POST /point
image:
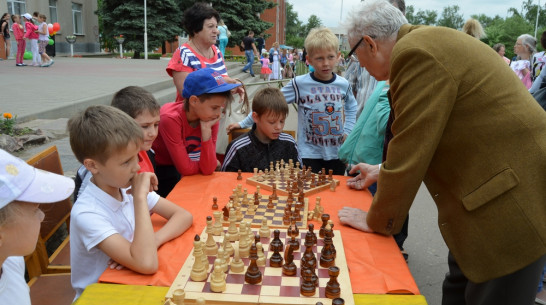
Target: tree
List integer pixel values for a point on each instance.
(312, 22)
(294, 28)
(118, 17)
(427, 17)
(242, 16)
(451, 17)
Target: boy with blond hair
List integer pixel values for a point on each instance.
(110, 222)
(265, 142)
(326, 105)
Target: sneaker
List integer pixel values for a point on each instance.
(253, 75)
(245, 71)
(23, 64)
(19, 65)
(44, 65)
(51, 63)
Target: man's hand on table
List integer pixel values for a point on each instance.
(367, 176)
(355, 218)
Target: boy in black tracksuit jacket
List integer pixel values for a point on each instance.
(265, 142)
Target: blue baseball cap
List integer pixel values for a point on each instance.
(205, 81)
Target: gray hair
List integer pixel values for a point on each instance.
(529, 41)
(376, 18)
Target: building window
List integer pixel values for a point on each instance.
(53, 11)
(77, 19)
(18, 7)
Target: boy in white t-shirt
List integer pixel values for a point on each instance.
(22, 188)
(110, 221)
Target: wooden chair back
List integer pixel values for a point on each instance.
(56, 214)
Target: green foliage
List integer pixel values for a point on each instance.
(118, 17)
(7, 124)
(242, 16)
(507, 31)
(294, 28)
(451, 17)
(312, 22)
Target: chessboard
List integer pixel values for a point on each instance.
(275, 288)
(285, 185)
(273, 215)
(287, 179)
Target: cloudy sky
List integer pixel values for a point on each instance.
(329, 11)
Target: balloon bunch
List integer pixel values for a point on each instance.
(53, 28)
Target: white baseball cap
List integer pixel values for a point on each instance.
(22, 182)
(27, 16)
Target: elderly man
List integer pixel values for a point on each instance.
(468, 128)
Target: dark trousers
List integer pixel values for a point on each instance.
(167, 177)
(518, 288)
(317, 164)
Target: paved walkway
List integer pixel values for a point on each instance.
(31, 92)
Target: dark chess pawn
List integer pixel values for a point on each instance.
(253, 274)
(327, 254)
(308, 287)
(239, 176)
(330, 234)
(308, 258)
(325, 217)
(276, 258)
(294, 243)
(332, 287)
(270, 204)
(276, 242)
(214, 203)
(289, 268)
(311, 232)
(338, 301)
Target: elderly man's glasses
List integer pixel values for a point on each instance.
(353, 50)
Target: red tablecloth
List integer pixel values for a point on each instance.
(376, 265)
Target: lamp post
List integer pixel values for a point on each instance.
(145, 33)
(120, 40)
(536, 24)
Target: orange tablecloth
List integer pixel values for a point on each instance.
(376, 265)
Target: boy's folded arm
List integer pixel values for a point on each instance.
(178, 221)
(137, 256)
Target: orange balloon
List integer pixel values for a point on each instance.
(56, 27)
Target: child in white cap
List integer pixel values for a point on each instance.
(22, 188)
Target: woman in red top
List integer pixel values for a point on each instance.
(186, 143)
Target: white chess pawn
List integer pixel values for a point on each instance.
(217, 227)
(237, 265)
(261, 256)
(218, 278)
(244, 243)
(178, 297)
(264, 230)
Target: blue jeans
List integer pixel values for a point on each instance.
(249, 61)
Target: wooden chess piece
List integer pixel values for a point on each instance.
(276, 259)
(311, 228)
(276, 242)
(200, 301)
(325, 218)
(199, 270)
(270, 204)
(237, 265)
(228, 247)
(232, 229)
(308, 287)
(244, 243)
(211, 246)
(289, 268)
(255, 172)
(308, 258)
(264, 229)
(225, 211)
(294, 243)
(239, 176)
(330, 173)
(222, 257)
(261, 256)
(217, 227)
(253, 274)
(338, 301)
(218, 278)
(327, 256)
(178, 297)
(214, 203)
(332, 287)
(333, 186)
(330, 233)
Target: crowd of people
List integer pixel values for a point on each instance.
(424, 111)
